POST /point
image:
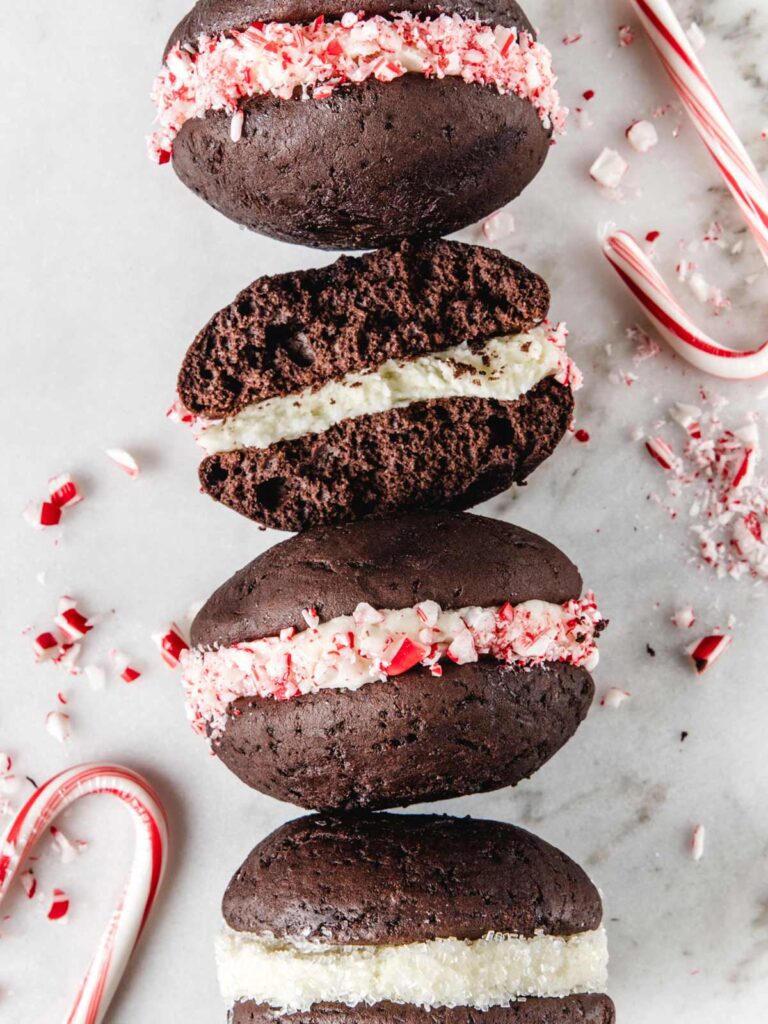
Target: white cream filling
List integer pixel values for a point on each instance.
(495, 970)
(504, 369)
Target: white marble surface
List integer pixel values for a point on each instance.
(109, 267)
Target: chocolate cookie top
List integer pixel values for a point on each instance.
(213, 17)
(457, 559)
(293, 331)
(384, 879)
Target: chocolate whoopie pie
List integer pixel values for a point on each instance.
(348, 124)
(423, 376)
(414, 920)
(378, 664)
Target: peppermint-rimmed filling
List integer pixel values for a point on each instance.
(311, 61)
(372, 645)
(503, 369)
(495, 970)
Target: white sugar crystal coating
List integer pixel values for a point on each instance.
(492, 971)
(503, 369)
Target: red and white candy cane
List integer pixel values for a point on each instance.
(719, 136)
(130, 915)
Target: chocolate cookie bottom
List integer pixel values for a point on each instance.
(444, 453)
(576, 1009)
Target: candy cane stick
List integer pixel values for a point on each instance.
(718, 134)
(133, 908)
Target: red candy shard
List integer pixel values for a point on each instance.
(46, 646)
(582, 436)
(661, 452)
(63, 491)
(405, 655)
(171, 644)
(59, 905)
(706, 652)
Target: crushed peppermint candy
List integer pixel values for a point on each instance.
(499, 225)
(63, 493)
(124, 460)
(705, 652)
(59, 907)
(716, 476)
(642, 136)
(609, 169)
(626, 35)
(57, 724)
(698, 838)
(372, 645)
(614, 697)
(684, 618)
(311, 61)
(171, 644)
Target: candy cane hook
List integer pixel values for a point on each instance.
(130, 915)
(719, 136)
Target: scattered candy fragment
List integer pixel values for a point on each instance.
(614, 697)
(57, 724)
(582, 436)
(499, 225)
(63, 491)
(642, 136)
(236, 125)
(42, 515)
(64, 847)
(609, 169)
(171, 644)
(705, 652)
(96, 676)
(311, 618)
(684, 618)
(126, 671)
(46, 646)
(698, 838)
(589, 95)
(570, 40)
(658, 448)
(28, 883)
(59, 907)
(626, 35)
(125, 461)
(71, 621)
(697, 38)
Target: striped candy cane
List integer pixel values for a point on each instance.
(130, 915)
(719, 136)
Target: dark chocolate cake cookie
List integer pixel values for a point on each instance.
(354, 124)
(423, 376)
(412, 920)
(379, 664)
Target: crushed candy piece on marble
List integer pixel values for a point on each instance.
(642, 136)
(698, 838)
(124, 460)
(63, 491)
(705, 652)
(626, 35)
(58, 725)
(171, 644)
(609, 169)
(614, 697)
(59, 907)
(684, 618)
(46, 646)
(499, 225)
